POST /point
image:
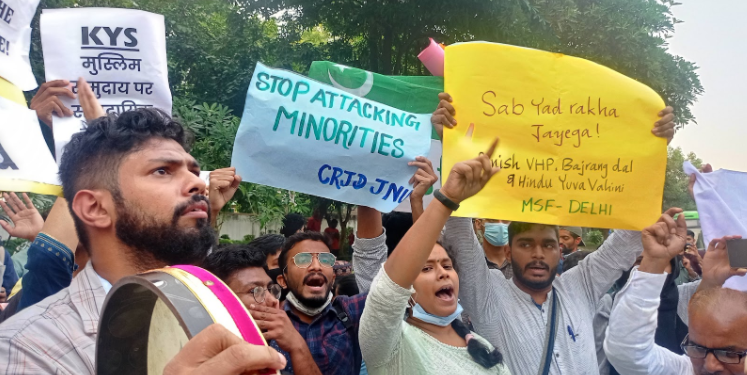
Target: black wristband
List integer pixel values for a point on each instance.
(450, 204)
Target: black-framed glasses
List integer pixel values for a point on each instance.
(700, 352)
(303, 260)
(259, 292)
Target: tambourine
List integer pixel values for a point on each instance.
(149, 317)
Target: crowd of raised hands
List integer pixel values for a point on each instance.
(435, 305)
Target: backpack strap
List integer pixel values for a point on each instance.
(341, 314)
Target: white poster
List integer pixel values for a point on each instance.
(15, 42)
(25, 161)
(302, 135)
(435, 157)
(722, 208)
(120, 52)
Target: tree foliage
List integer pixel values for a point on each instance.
(214, 128)
(385, 36)
(213, 46)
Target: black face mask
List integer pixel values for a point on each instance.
(273, 273)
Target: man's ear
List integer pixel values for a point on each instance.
(89, 206)
(578, 240)
(281, 281)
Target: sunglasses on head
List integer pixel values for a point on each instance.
(303, 260)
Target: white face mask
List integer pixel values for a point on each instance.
(291, 298)
(420, 314)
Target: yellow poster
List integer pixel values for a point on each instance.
(576, 146)
(10, 92)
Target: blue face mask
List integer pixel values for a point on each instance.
(496, 233)
(443, 321)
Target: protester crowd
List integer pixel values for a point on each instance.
(424, 293)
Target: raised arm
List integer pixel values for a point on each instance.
(630, 343)
(599, 270)
(27, 222)
(686, 292)
(421, 181)
(369, 248)
(381, 323)
(479, 286)
(223, 185)
(51, 257)
(465, 180)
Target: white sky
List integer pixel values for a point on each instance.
(713, 36)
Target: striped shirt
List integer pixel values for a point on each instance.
(509, 318)
(58, 334)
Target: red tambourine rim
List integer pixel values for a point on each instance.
(248, 329)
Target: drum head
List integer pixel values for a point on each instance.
(148, 318)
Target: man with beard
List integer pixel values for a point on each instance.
(517, 315)
(329, 327)
(134, 193)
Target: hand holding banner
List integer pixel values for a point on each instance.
(305, 136)
(576, 143)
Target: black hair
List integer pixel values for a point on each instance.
(346, 286)
(292, 223)
(477, 350)
(691, 233)
(92, 157)
(332, 223)
(269, 244)
(396, 225)
(517, 227)
(573, 259)
(233, 258)
(296, 238)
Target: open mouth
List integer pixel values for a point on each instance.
(316, 283)
(538, 269)
(446, 293)
(196, 210)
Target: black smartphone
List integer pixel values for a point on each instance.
(737, 253)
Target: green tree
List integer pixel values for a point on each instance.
(214, 127)
(386, 36)
(676, 183)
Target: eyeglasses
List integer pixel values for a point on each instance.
(700, 352)
(259, 292)
(303, 260)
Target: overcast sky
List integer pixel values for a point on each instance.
(713, 36)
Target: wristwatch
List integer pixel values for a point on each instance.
(450, 204)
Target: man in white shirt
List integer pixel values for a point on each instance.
(717, 343)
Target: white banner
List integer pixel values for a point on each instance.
(722, 208)
(25, 161)
(120, 52)
(435, 157)
(306, 136)
(15, 42)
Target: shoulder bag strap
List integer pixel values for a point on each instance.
(550, 331)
